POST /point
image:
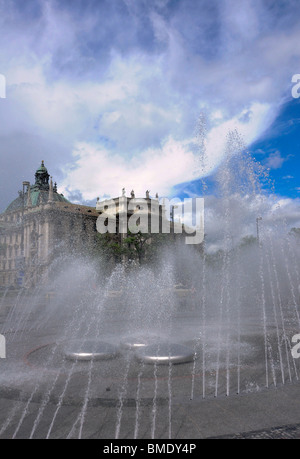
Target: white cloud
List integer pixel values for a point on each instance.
(249, 124)
(98, 171)
(159, 168)
(275, 160)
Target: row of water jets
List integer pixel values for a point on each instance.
(223, 352)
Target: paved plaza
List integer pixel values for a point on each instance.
(45, 395)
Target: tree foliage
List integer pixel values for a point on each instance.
(140, 247)
(295, 232)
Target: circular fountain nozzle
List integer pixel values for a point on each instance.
(90, 350)
(165, 353)
(137, 341)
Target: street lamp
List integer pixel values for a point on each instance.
(257, 228)
(172, 218)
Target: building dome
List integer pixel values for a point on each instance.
(39, 192)
(42, 169)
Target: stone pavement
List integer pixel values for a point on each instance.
(290, 432)
(272, 413)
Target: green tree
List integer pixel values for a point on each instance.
(295, 232)
(142, 247)
(109, 246)
(248, 241)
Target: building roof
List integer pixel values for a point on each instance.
(38, 197)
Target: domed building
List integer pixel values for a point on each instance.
(38, 226)
(41, 224)
(37, 194)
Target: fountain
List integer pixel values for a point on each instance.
(165, 354)
(84, 363)
(90, 350)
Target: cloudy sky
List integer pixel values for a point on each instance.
(109, 93)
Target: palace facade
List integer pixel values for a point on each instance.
(38, 226)
(41, 225)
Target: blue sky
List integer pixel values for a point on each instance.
(279, 150)
(109, 93)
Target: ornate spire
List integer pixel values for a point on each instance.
(42, 177)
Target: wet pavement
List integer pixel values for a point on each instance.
(44, 395)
